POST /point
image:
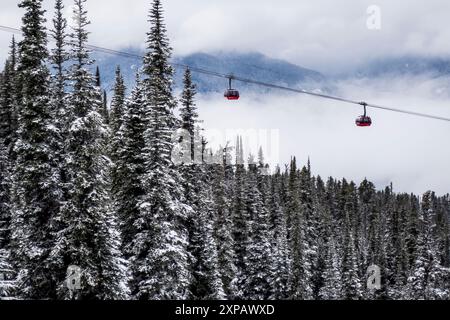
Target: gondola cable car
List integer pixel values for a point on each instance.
(230, 93)
(364, 120)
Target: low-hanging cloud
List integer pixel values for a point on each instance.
(410, 152)
(326, 35)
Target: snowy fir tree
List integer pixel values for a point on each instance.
(105, 111)
(8, 122)
(428, 275)
(280, 245)
(123, 136)
(300, 278)
(206, 282)
(128, 195)
(137, 198)
(241, 220)
(188, 112)
(222, 204)
(36, 186)
(351, 282)
(58, 95)
(117, 113)
(332, 279)
(7, 274)
(88, 236)
(259, 269)
(160, 261)
(8, 100)
(59, 56)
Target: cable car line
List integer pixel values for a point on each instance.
(325, 96)
(255, 82)
(11, 30)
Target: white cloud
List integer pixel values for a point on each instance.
(411, 152)
(324, 34)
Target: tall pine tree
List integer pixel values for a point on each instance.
(8, 102)
(259, 282)
(160, 263)
(128, 197)
(59, 56)
(117, 114)
(36, 187)
(222, 202)
(7, 274)
(88, 237)
(206, 282)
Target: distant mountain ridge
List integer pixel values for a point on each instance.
(258, 67)
(252, 66)
(247, 65)
(405, 65)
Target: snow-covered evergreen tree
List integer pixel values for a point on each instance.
(351, 284)
(428, 276)
(310, 228)
(7, 274)
(88, 237)
(8, 284)
(122, 150)
(160, 261)
(300, 278)
(58, 96)
(59, 56)
(206, 282)
(128, 197)
(5, 214)
(7, 140)
(105, 111)
(117, 112)
(188, 111)
(280, 246)
(8, 103)
(241, 220)
(36, 189)
(222, 204)
(259, 282)
(332, 280)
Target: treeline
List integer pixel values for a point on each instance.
(85, 185)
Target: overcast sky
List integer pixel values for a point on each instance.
(326, 35)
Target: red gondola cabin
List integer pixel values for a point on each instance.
(363, 121)
(232, 94)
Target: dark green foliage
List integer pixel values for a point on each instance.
(36, 188)
(76, 179)
(88, 235)
(160, 261)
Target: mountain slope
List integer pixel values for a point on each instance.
(249, 65)
(406, 65)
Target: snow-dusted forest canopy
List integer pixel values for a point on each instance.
(94, 185)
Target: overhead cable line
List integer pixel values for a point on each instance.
(252, 81)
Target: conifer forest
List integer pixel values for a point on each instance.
(92, 186)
